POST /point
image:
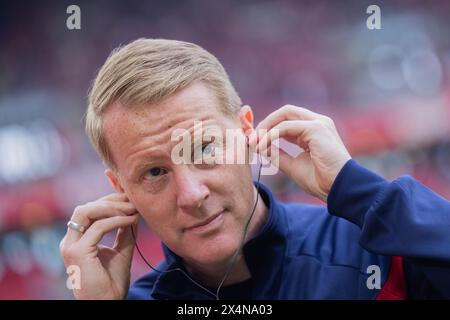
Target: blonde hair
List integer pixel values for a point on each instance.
(146, 71)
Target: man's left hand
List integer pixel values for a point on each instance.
(325, 154)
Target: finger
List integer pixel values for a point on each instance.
(116, 196)
(99, 228)
(287, 112)
(85, 215)
(297, 168)
(299, 165)
(285, 161)
(291, 130)
(90, 212)
(125, 242)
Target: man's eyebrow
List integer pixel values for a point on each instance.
(149, 158)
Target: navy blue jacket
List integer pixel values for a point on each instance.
(399, 230)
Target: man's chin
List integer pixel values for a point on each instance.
(212, 254)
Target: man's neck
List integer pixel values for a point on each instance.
(212, 276)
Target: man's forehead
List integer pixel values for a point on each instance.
(182, 108)
(157, 122)
(195, 99)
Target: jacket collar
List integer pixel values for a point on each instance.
(264, 255)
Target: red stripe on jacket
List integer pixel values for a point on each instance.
(395, 286)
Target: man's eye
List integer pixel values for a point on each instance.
(155, 172)
(207, 149)
(206, 154)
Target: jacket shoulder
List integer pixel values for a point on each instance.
(314, 232)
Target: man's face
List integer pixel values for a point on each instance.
(198, 211)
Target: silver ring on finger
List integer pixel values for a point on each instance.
(76, 226)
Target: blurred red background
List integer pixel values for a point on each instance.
(388, 91)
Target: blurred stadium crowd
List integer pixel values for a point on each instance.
(388, 91)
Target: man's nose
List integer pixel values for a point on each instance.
(191, 191)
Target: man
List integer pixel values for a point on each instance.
(375, 238)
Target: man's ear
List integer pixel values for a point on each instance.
(246, 118)
(114, 180)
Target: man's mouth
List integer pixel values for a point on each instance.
(209, 224)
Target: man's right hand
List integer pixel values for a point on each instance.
(105, 271)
